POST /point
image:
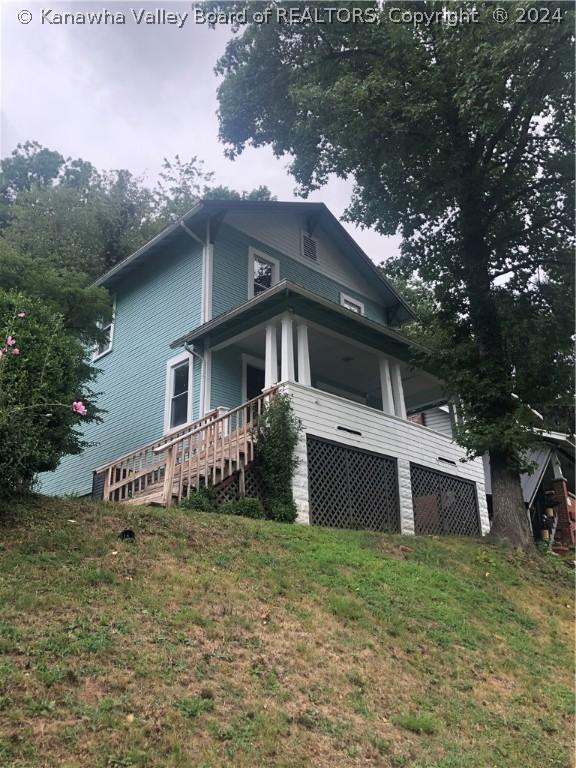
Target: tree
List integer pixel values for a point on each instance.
(81, 307)
(459, 136)
(44, 391)
(67, 213)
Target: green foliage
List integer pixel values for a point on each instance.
(276, 435)
(200, 499)
(195, 706)
(461, 138)
(282, 511)
(245, 507)
(81, 306)
(66, 214)
(417, 723)
(37, 388)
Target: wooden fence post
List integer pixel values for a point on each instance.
(169, 476)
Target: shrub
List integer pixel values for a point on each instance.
(43, 390)
(200, 500)
(276, 437)
(246, 507)
(283, 511)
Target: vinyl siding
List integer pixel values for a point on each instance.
(283, 233)
(439, 420)
(153, 306)
(226, 389)
(230, 274)
(321, 414)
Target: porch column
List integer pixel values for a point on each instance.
(304, 376)
(398, 391)
(287, 354)
(386, 386)
(271, 357)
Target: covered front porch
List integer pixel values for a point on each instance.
(290, 335)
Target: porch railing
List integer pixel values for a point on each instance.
(203, 453)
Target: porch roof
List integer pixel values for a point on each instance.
(286, 296)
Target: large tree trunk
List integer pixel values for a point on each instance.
(510, 518)
(509, 521)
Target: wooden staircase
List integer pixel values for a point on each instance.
(204, 453)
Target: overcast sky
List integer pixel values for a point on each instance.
(125, 96)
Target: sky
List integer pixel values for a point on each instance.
(126, 96)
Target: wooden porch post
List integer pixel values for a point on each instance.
(287, 364)
(304, 376)
(271, 357)
(386, 386)
(398, 391)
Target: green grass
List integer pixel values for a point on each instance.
(217, 642)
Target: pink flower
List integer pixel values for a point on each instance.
(21, 314)
(10, 341)
(15, 351)
(79, 408)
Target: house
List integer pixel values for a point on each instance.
(229, 304)
(549, 490)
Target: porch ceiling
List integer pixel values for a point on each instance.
(337, 362)
(290, 297)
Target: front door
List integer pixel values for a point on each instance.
(254, 381)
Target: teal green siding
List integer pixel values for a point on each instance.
(230, 275)
(226, 389)
(156, 304)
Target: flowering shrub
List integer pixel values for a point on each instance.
(43, 391)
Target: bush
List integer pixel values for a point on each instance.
(283, 511)
(200, 500)
(276, 437)
(43, 391)
(246, 507)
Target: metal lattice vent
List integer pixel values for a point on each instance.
(443, 504)
(350, 488)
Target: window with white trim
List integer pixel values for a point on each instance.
(178, 405)
(352, 304)
(107, 329)
(263, 273)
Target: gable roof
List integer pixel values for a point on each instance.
(193, 222)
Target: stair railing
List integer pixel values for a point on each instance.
(203, 453)
(138, 470)
(212, 452)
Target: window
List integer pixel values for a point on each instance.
(107, 329)
(352, 304)
(309, 246)
(263, 273)
(178, 392)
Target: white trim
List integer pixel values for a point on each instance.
(254, 362)
(303, 354)
(287, 348)
(207, 383)
(172, 363)
(386, 385)
(98, 355)
(253, 254)
(207, 276)
(345, 298)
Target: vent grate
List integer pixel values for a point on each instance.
(309, 249)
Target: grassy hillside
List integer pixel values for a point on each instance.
(216, 641)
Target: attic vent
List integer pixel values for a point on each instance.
(309, 247)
